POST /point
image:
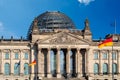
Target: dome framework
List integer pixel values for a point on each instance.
(53, 20)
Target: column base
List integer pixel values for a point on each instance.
(101, 74)
(43, 75)
(49, 75)
(31, 78)
(90, 78)
(58, 75)
(79, 75)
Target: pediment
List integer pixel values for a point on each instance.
(63, 38)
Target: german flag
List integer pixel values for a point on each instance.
(106, 42)
(33, 63)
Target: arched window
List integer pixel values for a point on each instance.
(26, 55)
(26, 69)
(16, 55)
(114, 68)
(96, 68)
(95, 55)
(16, 69)
(6, 55)
(7, 69)
(105, 68)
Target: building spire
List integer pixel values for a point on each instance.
(87, 24)
(86, 31)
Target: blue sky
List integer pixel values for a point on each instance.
(17, 15)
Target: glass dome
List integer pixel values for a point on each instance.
(52, 20)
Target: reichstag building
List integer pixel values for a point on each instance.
(61, 52)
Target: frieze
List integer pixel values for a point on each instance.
(63, 40)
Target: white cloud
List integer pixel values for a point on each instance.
(86, 2)
(1, 26)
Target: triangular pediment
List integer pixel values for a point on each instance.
(63, 38)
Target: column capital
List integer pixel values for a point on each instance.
(77, 49)
(58, 49)
(87, 49)
(68, 49)
(48, 49)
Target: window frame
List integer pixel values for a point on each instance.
(7, 69)
(96, 68)
(26, 54)
(105, 56)
(114, 55)
(7, 56)
(17, 55)
(96, 55)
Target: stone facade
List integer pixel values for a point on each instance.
(80, 55)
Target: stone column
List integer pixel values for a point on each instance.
(68, 61)
(39, 62)
(32, 57)
(87, 61)
(118, 62)
(100, 63)
(11, 52)
(21, 63)
(58, 63)
(109, 62)
(1, 62)
(78, 61)
(48, 65)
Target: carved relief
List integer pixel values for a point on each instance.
(63, 39)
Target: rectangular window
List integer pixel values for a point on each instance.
(95, 55)
(6, 55)
(26, 55)
(114, 56)
(16, 55)
(104, 55)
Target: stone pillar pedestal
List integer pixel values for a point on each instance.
(32, 76)
(58, 75)
(79, 75)
(43, 75)
(49, 75)
(90, 78)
